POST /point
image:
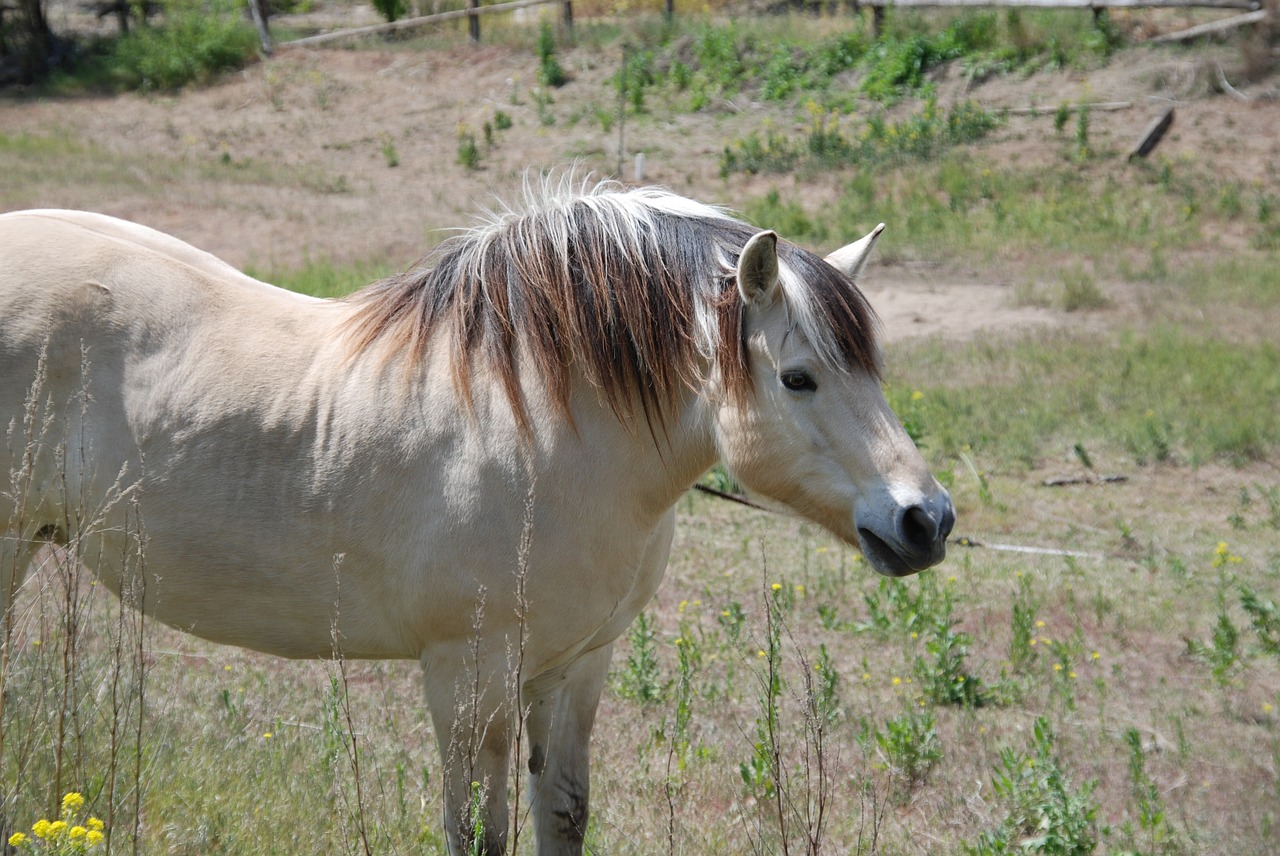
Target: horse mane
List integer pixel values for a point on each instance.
(634, 288)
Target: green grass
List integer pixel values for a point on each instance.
(1165, 394)
(326, 279)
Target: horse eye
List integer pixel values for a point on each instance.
(798, 381)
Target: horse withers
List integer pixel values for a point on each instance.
(474, 463)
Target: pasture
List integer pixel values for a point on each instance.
(1052, 313)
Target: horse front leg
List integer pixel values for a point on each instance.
(561, 712)
(471, 709)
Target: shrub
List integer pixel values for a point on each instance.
(192, 44)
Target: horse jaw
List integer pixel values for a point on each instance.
(851, 260)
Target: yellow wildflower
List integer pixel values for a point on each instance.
(917, 395)
(1057, 667)
(41, 828)
(16, 839)
(777, 587)
(72, 801)
(897, 681)
(57, 828)
(93, 837)
(1039, 624)
(95, 825)
(77, 833)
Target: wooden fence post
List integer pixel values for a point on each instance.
(568, 15)
(258, 10)
(473, 21)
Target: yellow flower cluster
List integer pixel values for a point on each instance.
(64, 836)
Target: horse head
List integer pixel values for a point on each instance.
(815, 433)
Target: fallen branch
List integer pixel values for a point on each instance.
(1090, 478)
(1070, 108)
(1211, 28)
(1228, 88)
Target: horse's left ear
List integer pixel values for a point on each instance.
(851, 260)
(758, 269)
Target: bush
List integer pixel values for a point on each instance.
(192, 44)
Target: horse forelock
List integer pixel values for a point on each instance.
(635, 289)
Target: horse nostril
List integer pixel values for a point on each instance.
(919, 528)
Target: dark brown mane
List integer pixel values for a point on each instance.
(635, 289)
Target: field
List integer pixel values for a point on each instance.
(1096, 666)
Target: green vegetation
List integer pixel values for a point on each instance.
(192, 43)
(698, 66)
(1045, 813)
(827, 144)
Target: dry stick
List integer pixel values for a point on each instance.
(1211, 28)
(1035, 110)
(141, 677)
(349, 741)
(522, 613)
(771, 706)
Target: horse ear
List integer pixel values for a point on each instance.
(851, 260)
(758, 269)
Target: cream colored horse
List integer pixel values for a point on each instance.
(473, 464)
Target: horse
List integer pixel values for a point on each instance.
(474, 463)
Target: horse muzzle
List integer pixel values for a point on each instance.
(902, 539)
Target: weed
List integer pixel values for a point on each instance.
(1153, 825)
(550, 72)
(1022, 642)
(910, 746)
(1080, 291)
(1060, 118)
(1082, 151)
(389, 153)
(1264, 618)
(1045, 814)
(502, 120)
(468, 151)
(641, 680)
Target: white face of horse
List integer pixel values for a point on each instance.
(821, 439)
